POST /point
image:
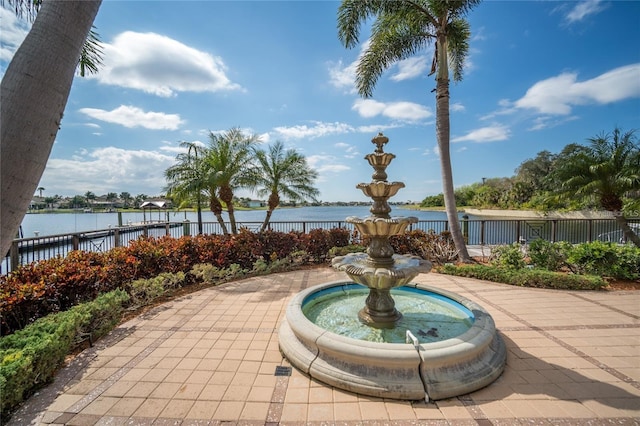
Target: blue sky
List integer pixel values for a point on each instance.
(540, 75)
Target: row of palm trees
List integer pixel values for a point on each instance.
(234, 160)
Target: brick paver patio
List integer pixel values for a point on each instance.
(210, 358)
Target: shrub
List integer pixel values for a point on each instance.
(317, 243)
(628, 265)
(539, 278)
(508, 256)
(605, 259)
(144, 291)
(32, 291)
(30, 357)
(339, 237)
(548, 255)
(438, 248)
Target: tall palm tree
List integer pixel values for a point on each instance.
(283, 172)
(34, 92)
(228, 159)
(401, 29)
(185, 179)
(40, 190)
(608, 168)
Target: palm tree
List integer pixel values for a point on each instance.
(402, 28)
(228, 160)
(126, 197)
(608, 168)
(40, 189)
(185, 179)
(284, 173)
(34, 92)
(139, 199)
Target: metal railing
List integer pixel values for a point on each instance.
(476, 232)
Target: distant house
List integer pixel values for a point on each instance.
(255, 203)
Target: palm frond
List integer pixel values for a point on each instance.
(92, 54)
(458, 32)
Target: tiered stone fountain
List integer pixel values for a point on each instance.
(374, 350)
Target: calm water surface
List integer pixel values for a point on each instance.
(65, 223)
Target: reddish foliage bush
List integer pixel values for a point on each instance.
(39, 288)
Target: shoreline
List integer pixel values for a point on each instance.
(533, 214)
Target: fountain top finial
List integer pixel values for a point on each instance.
(380, 141)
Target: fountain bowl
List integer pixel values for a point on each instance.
(406, 371)
(362, 270)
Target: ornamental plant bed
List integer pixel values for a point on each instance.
(612, 283)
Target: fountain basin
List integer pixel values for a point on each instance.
(439, 369)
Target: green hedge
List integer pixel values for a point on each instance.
(30, 357)
(539, 278)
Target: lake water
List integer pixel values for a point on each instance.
(66, 223)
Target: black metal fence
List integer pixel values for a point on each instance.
(476, 232)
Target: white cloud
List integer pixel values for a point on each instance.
(547, 122)
(323, 164)
(350, 151)
(318, 129)
(583, 9)
(479, 34)
(404, 111)
(162, 66)
(13, 30)
(457, 106)
(343, 77)
(493, 133)
(374, 129)
(368, 108)
(130, 116)
(264, 137)
(557, 95)
(174, 148)
(410, 68)
(109, 169)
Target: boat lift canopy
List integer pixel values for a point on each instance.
(160, 205)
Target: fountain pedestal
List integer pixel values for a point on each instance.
(380, 261)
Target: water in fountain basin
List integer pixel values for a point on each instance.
(429, 316)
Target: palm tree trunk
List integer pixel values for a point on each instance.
(267, 219)
(628, 233)
(216, 209)
(34, 93)
(226, 195)
(443, 136)
(199, 211)
(273, 203)
(232, 217)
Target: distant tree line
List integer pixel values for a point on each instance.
(89, 199)
(603, 174)
(579, 177)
